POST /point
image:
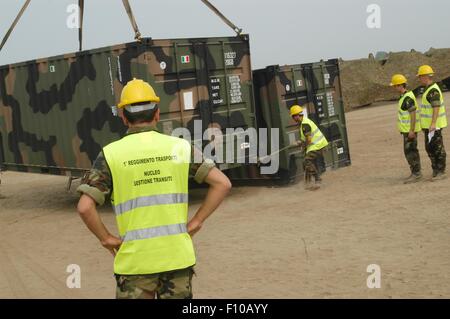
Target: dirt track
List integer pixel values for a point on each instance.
(263, 242)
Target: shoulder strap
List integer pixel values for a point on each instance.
(11, 28)
(137, 34)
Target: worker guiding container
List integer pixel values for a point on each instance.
(317, 88)
(57, 113)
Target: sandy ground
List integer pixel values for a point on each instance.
(263, 242)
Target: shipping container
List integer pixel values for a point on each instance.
(316, 87)
(57, 113)
(446, 84)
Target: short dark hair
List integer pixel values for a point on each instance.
(140, 117)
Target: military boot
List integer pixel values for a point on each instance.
(309, 185)
(413, 178)
(318, 181)
(439, 176)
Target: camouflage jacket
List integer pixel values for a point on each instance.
(433, 97)
(97, 183)
(408, 104)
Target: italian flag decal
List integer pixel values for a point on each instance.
(185, 59)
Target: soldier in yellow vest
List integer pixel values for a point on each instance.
(146, 174)
(408, 124)
(313, 141)
(433, 118)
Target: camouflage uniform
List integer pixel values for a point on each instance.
(310, 166)
(435, 148)
(167, 285)
(436, 151)
(412, 153)
(311, 159)
(320, 164)
(97, 184)
(410, 146)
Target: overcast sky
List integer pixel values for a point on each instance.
(281, 31)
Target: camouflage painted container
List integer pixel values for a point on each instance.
(57, 113)
(315, 86)
(446, 84)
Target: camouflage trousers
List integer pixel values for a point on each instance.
(310, 165)
(436, 151)
(176, 284)
(411, 153)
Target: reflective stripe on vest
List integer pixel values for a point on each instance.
(426, 111)
(150, 194)
(404, 117)
(318, 140)
(317, 137)
(154, 232)
(428, 116)
(147, 201)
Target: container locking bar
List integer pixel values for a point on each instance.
(228, 22)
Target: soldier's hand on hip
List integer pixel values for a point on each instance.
(194, 226)
(112, 243)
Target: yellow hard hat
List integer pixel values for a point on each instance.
(398, 79)
(296, 109)
(425, 70)
(137, 91)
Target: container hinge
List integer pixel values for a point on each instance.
(228, 22)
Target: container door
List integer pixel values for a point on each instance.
(329, 111)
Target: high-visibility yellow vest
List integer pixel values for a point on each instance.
(150, 174)
(404, 117)
(426, 110)
(318, 140)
